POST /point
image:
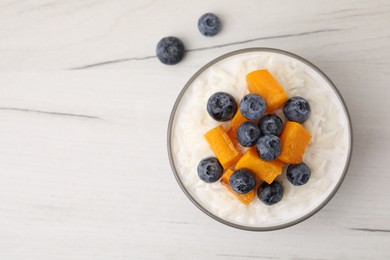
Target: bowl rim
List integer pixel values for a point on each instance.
(239, 226)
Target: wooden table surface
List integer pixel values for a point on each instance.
(84, 108)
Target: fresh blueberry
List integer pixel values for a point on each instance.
(242, 181)
(268, 147)
(170, 50)
(247, 134)
(298, 174)
(270, 194)
(252, 106)
(210, 169)
(297, 109)
(221, 106)
(209, 24)
(271, 124)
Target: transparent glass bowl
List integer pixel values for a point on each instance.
(249, 227)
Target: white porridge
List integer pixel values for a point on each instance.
(326, 154)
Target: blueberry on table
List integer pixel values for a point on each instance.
(297, 109)
(271, 124)
(242, 181)
(252, 106)
(270, 194)
(209, 24)
(221, 106)
(247, 134)
(298, 174)
(170, 50)
(268, 146)
(210, 169)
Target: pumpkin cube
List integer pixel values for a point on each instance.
(267, 171)
(247, 198)
(294, 140)
(262, 83)
(222, 146)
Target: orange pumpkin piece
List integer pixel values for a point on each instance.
(267, 171)
(234, 124)
(244, 198)
(294, 140)
(261, 82)
(222, 146)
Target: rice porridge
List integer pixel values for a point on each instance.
(326, 154)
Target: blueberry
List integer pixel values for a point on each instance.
(242, 181)
(221, 106)
(209, 24)
(247, 134)
(271, 124)
(298, 174)
(252, 106)
(268, 147)
(270, 194)
(170, 50)
(210, 169)
(297, 109)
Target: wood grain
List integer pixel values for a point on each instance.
(84, 108)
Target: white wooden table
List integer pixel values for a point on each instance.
(84, 107)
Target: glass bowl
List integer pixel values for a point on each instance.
(232, 67)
